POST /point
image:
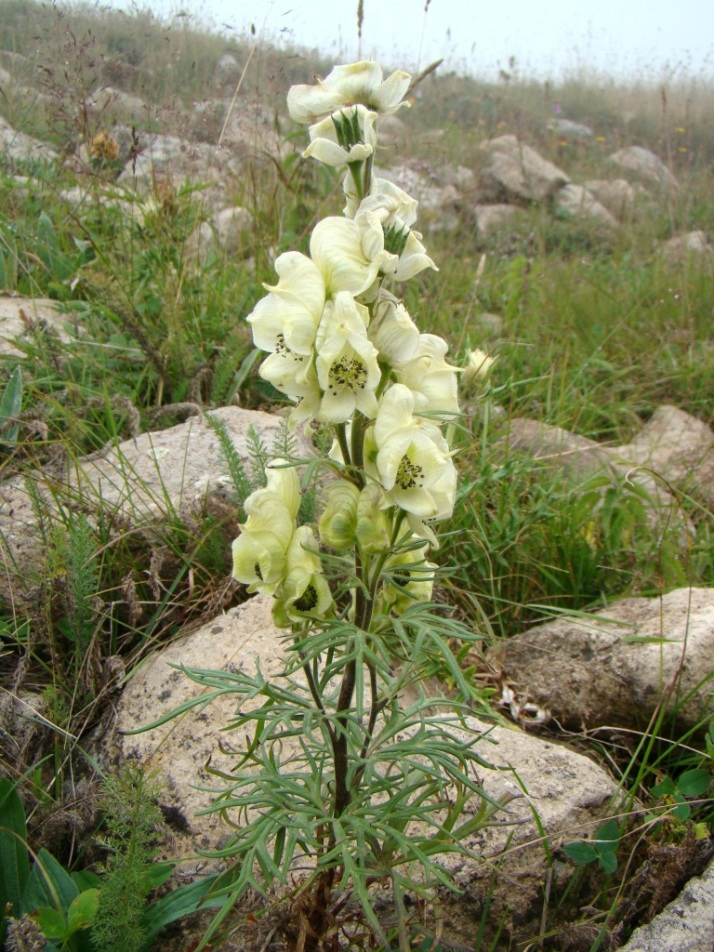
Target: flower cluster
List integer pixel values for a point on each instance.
(343, 348)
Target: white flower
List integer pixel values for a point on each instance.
(304, 591)
(427, 372)
(413, 460)
(336, 248)
(382, 194)
(384, 219)
(343, 138)
(287, 318)
(478, 368)
(357, 83)
(346, 362)
(259, 552)
(392, 331)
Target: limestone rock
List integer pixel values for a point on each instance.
(439, 198)
(643, 164)
(491, 219)
(140, 482)
(686, 925)
(18, 147)
(578, 202)
(114, 104)
(516, 172)
(617, 195)
(228, 233)
(567, 129)
(579, 458)
(680, 448)
(615, 666)
(20, 316)
(177, 159)
(692, 247)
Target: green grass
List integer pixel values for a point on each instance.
(597, 333)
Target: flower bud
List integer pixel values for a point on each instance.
(373, 524)
(338, 523)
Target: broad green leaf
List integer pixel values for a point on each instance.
(607, 859)
(52, 922)
(82, 910)
(693, 783)
(664, 788)
(581, 852)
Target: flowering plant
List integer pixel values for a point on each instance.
(346, 769)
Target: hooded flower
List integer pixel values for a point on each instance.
(336, 248)
(357, 83)
(343, 138)
(346, 362)
(384, 219)
(304, 591)
(427, 372)
(259, 552)
(288, 316)
(478, 368)
(392, 331)
(413, 460)
(338, 522)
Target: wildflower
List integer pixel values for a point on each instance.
(259, 552)
(338, 522)
(408, 578)
(385, 218)
(303, 591)
(392, 331)
(343, 138)
(346, 362)
(412, 459)
(355, 84)
(103, 148)
(285, 323)
(428, 373)
(336, 248)
(478, 368)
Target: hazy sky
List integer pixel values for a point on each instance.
(652, 38)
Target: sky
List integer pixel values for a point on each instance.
(653, 39)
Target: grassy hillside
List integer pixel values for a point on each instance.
(596, 328)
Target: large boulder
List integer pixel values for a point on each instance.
(577, 201)
(18, 147)
(229, 233)
(690, 248)
(644, 165)
(578, 459)
(685, 925)
(617, 195)
(616, 667)
(679, 448)
(139, 483)
(514, 172)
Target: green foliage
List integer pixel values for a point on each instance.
(602, 848)
(689, 784)
(414, 769)
(131, 818)
(83, 912)
(10, 407)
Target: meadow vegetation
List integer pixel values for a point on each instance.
(598, 331)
